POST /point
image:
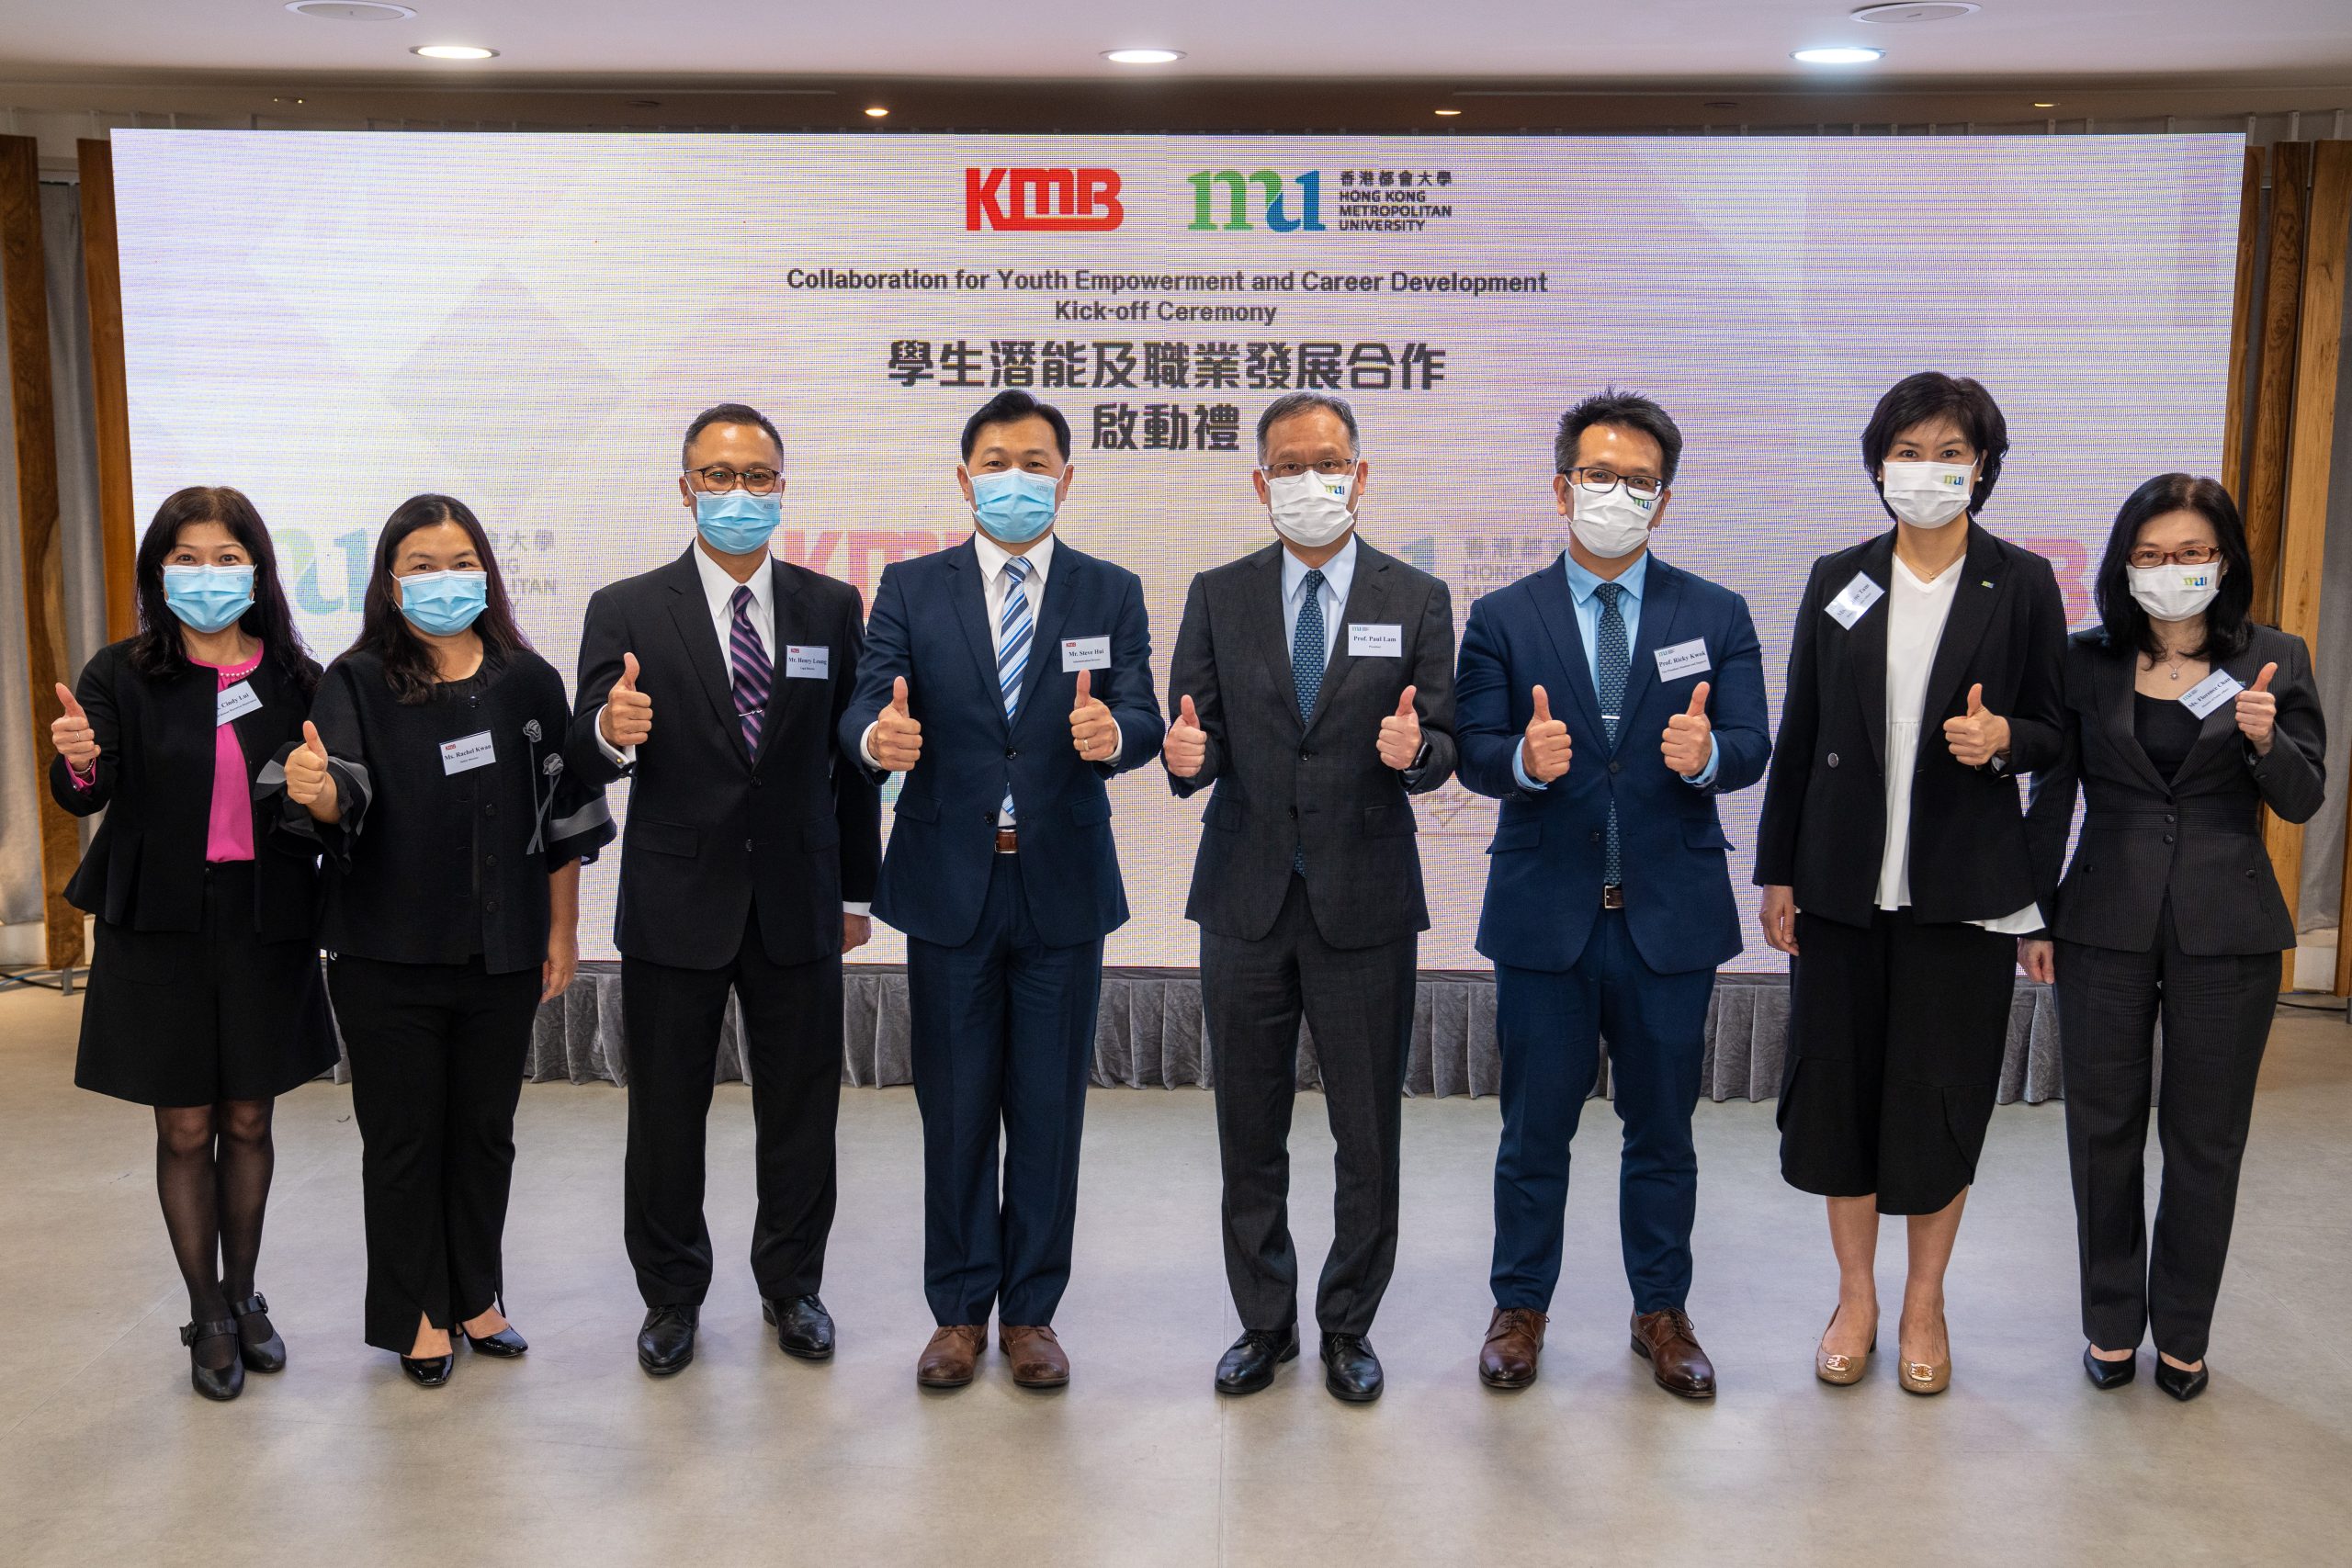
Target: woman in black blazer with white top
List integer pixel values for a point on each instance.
(205, 1000)
(1923, 680)
(2182, 720)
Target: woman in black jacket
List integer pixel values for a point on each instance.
(2182, 719)
(204, 998)
(1923, 679)
(433, 774)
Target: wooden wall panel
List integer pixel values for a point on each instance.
(2240, 322)
(2264, 499)
(23, 304)
(110, 385)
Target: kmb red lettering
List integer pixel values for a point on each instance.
(1048, 199)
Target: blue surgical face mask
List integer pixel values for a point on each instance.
(735, 522)
(208, 598)
(1014, 506)
(443, 603)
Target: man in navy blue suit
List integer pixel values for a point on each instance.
(1606, 700)
(1008, 678)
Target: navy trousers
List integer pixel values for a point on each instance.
(1550, 1024)
(1002, 1038)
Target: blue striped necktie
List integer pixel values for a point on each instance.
(1307, 657)
(755, 673)
(1014, 630)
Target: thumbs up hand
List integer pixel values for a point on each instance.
(1400, 733)
(628, 719)
(307, 783)
(1977, 736)
(897, 743)
(1543, 750)
(72, 734)
(2257, 712)
(1186, 749)
(1690, 736)
(1091, 729)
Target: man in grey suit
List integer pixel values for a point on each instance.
(1313, 689)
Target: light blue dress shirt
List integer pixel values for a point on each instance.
(1585, 600)
(1337, 573)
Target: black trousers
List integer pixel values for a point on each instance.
(436, 1067)
(1359, 1003)
(2216, 1013)
(1896, 1033)
(791, 1055)
(1004, 1036)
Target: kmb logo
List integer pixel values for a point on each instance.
(1064, 199)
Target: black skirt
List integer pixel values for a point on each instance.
(193, 1017)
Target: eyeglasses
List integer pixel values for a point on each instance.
(1330, 468)
(718, 477)
(1600, 482)
(2188, 554)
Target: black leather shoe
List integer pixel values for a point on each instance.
(1350, 1370)
(428, 1371)
(267, 1354)
(2109, 1374)
(666, 1343)
(2183, 1386)
(1250, 1365)
(505, 1344)
(803, 1327)
(214, 1383)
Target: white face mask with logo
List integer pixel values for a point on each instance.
(1311, 510)
(1927, 495)
(2174, 593)
(1614, 523)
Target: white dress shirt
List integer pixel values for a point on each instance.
(1916, 613)
(1338, 573)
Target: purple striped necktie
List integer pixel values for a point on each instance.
(754, 675)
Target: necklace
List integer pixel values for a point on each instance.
(2172, 665)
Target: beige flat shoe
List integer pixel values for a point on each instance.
(1929, 1377)
(1842, 1370)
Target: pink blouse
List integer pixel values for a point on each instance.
(232, 834)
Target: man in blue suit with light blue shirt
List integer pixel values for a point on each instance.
(1606, 700)
(1007, 678)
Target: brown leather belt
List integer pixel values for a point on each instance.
(1612, 897)
(1007, 842)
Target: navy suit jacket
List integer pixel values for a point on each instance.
(1543, 876)
(931, 625)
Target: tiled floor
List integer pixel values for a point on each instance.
(572, 1459)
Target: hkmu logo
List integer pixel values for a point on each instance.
(1062, 200)
(1235, 187)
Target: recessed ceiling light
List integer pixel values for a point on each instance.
(1837, 54)
(1917, 11)
(1142, 56)
(454, 51)
(2048, 106)
(351, 11)
(1446, 111)
(877, 112)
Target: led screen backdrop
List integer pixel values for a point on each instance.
(332, 322)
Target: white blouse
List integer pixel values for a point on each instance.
(1916, 613)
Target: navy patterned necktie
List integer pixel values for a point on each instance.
(1306, 656)
(754, 674)
(1610, 663)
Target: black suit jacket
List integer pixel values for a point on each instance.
(156, 741)
(1824, 827)
(712, 831)
(2198, 833)
(1282, 782)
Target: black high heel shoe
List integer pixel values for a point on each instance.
(2106, 1375)
(505, 1343)
(268, 1354)
(2182, 1385)
(222, 1383)
(428, 1371)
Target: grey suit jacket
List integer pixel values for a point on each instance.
(1281, 782)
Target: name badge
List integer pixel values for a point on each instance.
(1366, 641)
(234, 701)
(1683, 658)
(466, 753)
(808, 663)
(1085, 653)
(2210, 692)
(1855, 602)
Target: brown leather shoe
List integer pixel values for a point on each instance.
(1667, 1342)
(1514, 1346)
(1039, 1359)
(955, 1349)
